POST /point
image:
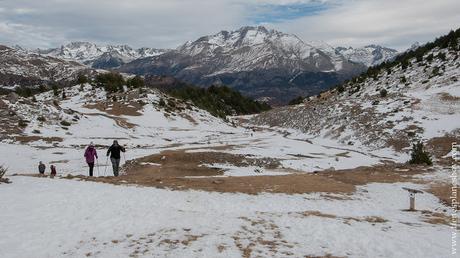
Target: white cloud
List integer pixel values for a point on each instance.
(139, 23)
(395, 23)
(158, 23)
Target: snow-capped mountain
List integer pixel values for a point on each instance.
(96, 56)
(252, 48)
(414, 46)
(257, 61)
(21, 67)
(370, 55)
(261, 63)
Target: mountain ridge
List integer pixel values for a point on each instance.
(99, 56)
(20, 67)
(261, 63)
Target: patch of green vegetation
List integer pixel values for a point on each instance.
(24, 92)
(162, 103)
(403, 79)
(55, 88)
(220, 101)
(296, 101)
(23, 123)
(340, 88)
(65, 123)
(419, 155)
(435, 71)
(111, 82)
(81, 79)
(135, 82)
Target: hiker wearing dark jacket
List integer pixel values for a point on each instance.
(41, 168)
(90, 154)
(114, 152)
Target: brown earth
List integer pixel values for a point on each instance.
(26, 139)
(122, 122)
(441, 146)
(9, 121)
(117, 108)
(445, 96)
(444, 192)
(182, 170)
(436, 217)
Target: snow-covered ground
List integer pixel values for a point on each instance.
(67, 218)
(42, 217)
(153, 132)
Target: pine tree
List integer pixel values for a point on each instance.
(419, 155)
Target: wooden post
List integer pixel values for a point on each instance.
(412, 193)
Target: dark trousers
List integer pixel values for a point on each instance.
(115, 165)
(91, 168)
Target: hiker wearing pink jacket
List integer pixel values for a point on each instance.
(90, 155)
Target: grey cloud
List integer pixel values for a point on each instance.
(157, 23)
(395, 23)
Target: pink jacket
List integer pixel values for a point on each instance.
(90, 153)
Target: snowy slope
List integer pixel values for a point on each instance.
(422, 101)
(141, 121)
(146, 127)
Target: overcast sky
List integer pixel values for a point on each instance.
(169, 23)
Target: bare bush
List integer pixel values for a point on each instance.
(3, 171)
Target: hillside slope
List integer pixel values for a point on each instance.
(22, 68)
(415, 97)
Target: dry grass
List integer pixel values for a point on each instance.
(27, 139)
(122, 122)
(445, 96)
(176, 168)
(444, 192)
(117, 108)
(436, 218)
(346, 220)
(441, 146)
(318, 214)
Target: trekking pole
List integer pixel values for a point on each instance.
(106, 164)
(124, 159)
(97, 165)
